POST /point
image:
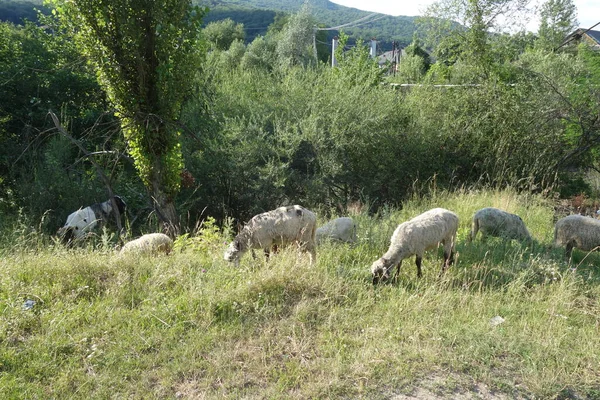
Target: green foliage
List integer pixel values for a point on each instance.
(144, 53)
(355, 66)
(221, 34)
(296, 41)
(558, 19)
(18, 12)
(256, 15)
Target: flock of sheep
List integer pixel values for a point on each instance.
(296, 225)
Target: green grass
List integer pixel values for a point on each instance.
(190, 325)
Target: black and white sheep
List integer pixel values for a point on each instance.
(341, 229)
(84, 220)
(150, 243)
(498, 223)
(577, 231)
(280, 227)
(414, 237)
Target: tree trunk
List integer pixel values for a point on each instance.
(165, 210)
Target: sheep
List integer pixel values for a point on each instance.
(340, 229)
(577, 231)
(495, 222)
(414, 237)
(280, 227)
(83, 221)
(150, 243)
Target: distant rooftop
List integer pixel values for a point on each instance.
(590, 37)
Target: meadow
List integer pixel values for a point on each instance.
(190, 325)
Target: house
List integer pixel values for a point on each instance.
(592, 38)
(390, 58)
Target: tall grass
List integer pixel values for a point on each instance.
(190, 325)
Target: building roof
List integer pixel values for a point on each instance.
(584, 35)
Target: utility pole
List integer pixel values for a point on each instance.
(373, 50)
(334, 45)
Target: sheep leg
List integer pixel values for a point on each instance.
(311, 250)
(569, 249)
(395, 277)
(448, 260)
(474, 230)
(418, 261)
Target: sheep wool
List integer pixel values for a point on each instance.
(151, 243)
(280, 227)
(81, 222)
(577, 231)
(341, 229)
(414, 237)
(495, 222)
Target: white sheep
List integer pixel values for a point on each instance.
(84, 220)
(414, 237)
(577, 231)
(150, 243)
(341, 229)
(280, 227)
(495, 222)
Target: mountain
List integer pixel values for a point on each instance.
(257, 15)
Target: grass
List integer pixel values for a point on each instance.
(192, 326)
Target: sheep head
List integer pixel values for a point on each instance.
(235, 251)
(381, 270)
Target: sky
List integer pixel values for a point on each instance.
(588, 11)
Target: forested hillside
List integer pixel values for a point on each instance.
(327, 14)
(258, 15)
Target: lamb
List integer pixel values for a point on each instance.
(280, 227)
(498, 223)
(577, 231)
(414, 237)
(150, 243)
(340, 229)
(83, 221)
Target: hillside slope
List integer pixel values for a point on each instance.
(257, 15)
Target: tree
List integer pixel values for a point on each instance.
(469, 23)
(296, 43)
(558, 19)
(145, 52)
(221, 34)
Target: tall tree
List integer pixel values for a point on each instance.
(468, 25)
(558, 19)
(296, 44)
(145, 52)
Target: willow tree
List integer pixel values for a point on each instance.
(145, 52)
(461, 30)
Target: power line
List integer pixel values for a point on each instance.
(576, 36)
(356, 23)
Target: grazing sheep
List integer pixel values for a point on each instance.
(340, 229)
(83, 221)
(280, 227)
(414, 237)
(577, 231)
(495, 222)
(151, 243)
